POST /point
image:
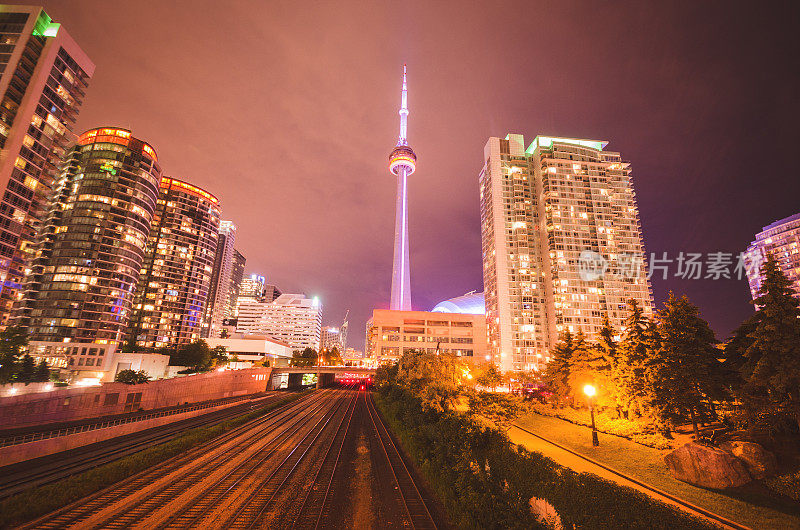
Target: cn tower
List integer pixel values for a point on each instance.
(402, 162)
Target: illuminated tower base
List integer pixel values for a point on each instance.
(401, 275)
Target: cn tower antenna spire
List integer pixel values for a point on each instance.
(402, 163)
(403, 140)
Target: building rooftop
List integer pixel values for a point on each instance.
(472, 303)
(776, 224)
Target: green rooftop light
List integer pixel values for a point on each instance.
(547, 141)
(52, 29)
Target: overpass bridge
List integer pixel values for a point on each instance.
(326, 375)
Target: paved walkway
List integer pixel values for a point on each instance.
(581, 465)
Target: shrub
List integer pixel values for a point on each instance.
(132, 377)
(485, 481)
(788, 485)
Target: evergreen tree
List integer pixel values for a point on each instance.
(12, 341)
(589, 365)
(27, 371)
(42, 373)
(768, 345)
(631, 370)
(558, 369)
(687, 373)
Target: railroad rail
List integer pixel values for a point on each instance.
(202, 504)
(250, 514)
(237, 438)
(414, 505)
(313, 508)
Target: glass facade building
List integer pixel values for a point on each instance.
(176, 275)
(92, 245)
(43, 79)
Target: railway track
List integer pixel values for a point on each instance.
(260, 500)
(57, 467)
(236, 440)
(283, 470)
(315, 506)
(416, 509)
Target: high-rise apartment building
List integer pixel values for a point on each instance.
(782, 240)
(176, 275)
(43, 79)
(561, 244)
(221, 288)
(290, 318)
(237, 274)
(92, 245)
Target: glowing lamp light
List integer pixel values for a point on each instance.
(589, 390)
(48, 387)
(12, 390)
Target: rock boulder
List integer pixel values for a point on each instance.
(708, 467)
(759, 462)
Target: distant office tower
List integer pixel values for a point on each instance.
(561, 244)
(402, 163)
(237, 274)
(331, 337)
(271, 292)
(291, 318)
(219, 293)
(782, 240)
(92, 245)
(43, 78)
(252, 289)
(176, 275)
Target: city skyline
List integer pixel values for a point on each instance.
(342, 254)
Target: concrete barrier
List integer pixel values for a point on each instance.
(26, 451)
(70, 404)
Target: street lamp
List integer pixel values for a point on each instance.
(590, 391)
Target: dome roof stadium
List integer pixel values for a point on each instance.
(471, 303)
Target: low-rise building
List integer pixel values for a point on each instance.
(254, 348)
(88, 363)
(390, 333)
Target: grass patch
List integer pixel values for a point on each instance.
(632, 430)
(38, 501)
(751, 505)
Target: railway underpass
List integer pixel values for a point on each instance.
(292, 378)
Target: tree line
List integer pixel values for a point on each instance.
(671, 369)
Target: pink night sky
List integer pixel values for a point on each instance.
(287, 112)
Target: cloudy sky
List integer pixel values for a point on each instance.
(287, 112)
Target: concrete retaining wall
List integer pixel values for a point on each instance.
(18, 453)
(68, 404)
